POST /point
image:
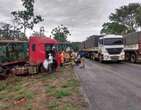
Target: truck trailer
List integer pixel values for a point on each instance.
(25, 56)
(133, 47)
(106, 48)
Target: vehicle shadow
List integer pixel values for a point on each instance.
(113, 62)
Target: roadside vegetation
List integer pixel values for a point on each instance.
(59, 91)
(123, 20)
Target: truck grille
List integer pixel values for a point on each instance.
(114, 57)
(114, 50)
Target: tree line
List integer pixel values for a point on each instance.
(124, 20)
(23, 19)
(26, 19)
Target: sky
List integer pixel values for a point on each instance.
(82, 17)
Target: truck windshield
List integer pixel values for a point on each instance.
(113, 41)
(50, 47)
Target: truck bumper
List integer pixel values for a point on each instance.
(113, 58)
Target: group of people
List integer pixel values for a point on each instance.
(53, 60)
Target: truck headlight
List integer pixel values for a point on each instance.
(122, 56)
(106, 57)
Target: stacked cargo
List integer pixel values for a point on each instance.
(82, 45)
(91, 42)
(90, 45)
(132, 38)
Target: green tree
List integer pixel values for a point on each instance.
(5, 31)
(75, 46)
(113, 28)
(26, 18)
(61, 33)
(138, 16)
(125, 19)
(9, 32)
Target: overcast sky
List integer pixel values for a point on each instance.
(82, 17)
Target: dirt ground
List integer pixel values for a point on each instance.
(58, 91)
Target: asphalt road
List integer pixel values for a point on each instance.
(111, 86)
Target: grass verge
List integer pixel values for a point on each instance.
(58, 91)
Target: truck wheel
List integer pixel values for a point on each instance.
(133, 58)
(127, 57)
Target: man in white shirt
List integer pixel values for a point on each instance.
(48, 63)
(50, 58)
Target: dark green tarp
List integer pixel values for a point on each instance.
(13, 51)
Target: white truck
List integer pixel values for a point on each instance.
(110, 48)
(105, 48)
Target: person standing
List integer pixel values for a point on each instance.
(57, 61)
(82, 63)
(62, 58)
(50, 63)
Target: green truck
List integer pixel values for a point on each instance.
(12, 52)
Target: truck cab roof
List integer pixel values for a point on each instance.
(111, 36)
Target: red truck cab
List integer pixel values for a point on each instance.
(39, 46)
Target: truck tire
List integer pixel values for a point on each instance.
(133, 58)
(127, 57)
